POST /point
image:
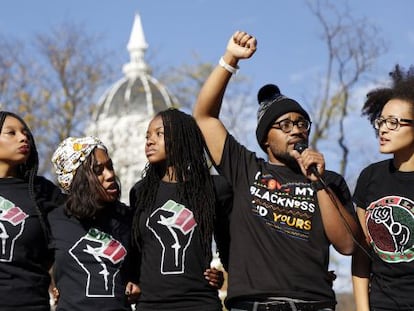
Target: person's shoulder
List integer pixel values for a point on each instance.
(48, 194)
(330, 173)
(135, 189)
(43, 181)
(138, 184)
(333, 177)
(375, 165)
(58, 213)
(122, 206)
(123, 209)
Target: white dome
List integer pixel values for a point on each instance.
(125, 110)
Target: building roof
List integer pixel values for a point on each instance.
(137, 92)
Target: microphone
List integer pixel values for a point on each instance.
(300, 147)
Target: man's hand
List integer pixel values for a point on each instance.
(241, 45)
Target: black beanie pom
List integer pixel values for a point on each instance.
(268, 92)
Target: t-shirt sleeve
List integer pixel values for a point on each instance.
(339, 186)
(224, 204)
(236, 161)
(48, 195)
(359, 196)
(133, 194)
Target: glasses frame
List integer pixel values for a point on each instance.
(277, 126)
(390, 121)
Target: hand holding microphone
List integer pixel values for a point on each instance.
(315, 157)
(302, 146)
(318, 184)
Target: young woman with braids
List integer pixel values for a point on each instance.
(383, 275)
(174, 221)
(25, 200)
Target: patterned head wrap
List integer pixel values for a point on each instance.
(70, 154)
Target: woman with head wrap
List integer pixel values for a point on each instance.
(91, 232)
(25, 200)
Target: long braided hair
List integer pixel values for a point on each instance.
(402, 88)
(28, 170)
(185, 153)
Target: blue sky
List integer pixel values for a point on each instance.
(289, 46)
(289, 49)
(289, 54)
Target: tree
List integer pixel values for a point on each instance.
(186, 81)
(52, 82)
(353, 46)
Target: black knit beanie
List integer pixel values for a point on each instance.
(272, 104)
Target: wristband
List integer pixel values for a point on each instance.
(229, 68)
(317, 185)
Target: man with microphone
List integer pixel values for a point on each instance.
(288, 210)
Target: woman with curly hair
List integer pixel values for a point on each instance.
(383, 274)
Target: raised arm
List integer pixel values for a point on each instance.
(207, 108)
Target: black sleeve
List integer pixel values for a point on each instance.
(133, 195)
(48, 195)
(132, 263)
(339, 186)
(224, 204)
(360, 193)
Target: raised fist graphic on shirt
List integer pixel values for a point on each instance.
(12, 220)
(100, 256)
(173, 225)
(399, 232)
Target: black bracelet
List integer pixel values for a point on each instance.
(317, 185)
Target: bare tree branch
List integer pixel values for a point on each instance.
(353, 46)
(52, 82)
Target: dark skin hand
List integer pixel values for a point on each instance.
(132, 291)
(214, 277)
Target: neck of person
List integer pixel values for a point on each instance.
(7, 171)
(272, 159)
(404, 161)
(170, 175)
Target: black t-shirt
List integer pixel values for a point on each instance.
(387, 195)
(224, 204)
(89, 270)
(24, 255)
(278, 245)
(172, 260)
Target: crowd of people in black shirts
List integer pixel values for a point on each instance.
(273, 220)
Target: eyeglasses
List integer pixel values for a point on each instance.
(391, 123)
(286, 125)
